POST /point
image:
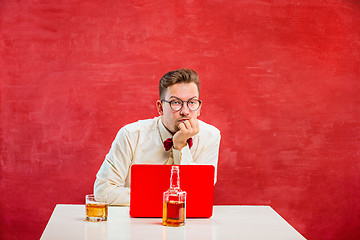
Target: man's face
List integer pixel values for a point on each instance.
(170, 118)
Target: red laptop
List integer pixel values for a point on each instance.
(149, 182)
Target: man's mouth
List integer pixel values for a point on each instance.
(183, 120)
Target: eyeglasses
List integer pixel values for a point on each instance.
(177, 104)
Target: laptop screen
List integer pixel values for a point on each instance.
(149, 182)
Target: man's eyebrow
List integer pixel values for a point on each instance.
(180, 98)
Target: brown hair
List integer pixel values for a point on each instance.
(182, 75)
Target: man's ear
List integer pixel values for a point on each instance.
(159, 107)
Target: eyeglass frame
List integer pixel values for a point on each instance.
(182, 103)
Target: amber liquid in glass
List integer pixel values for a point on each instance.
(173, 213)
(96, 212)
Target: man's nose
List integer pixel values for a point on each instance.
(185, 110)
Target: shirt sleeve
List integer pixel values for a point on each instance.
(208, 152)
(110, 179)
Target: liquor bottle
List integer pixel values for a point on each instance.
(174, 199)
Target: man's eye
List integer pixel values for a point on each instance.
(192, 102)
(175, 103)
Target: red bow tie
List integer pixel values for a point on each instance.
(168, 143)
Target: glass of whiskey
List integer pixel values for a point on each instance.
(96, 208)
(174, 201)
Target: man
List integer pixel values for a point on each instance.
(176, 137)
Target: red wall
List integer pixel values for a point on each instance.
(280, 79)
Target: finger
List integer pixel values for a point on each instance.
(194, 123)
(188, 125)
(181, 126)
(194, 126)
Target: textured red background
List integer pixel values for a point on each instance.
(280, 79)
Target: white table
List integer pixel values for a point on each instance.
(228, 222)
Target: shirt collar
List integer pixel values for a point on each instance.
(164, 133)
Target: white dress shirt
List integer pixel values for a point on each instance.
(141, 142)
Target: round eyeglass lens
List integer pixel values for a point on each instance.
(193, 105)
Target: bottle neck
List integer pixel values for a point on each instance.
(175, 178)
